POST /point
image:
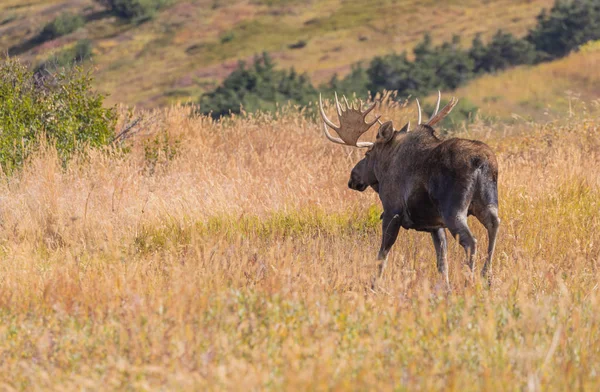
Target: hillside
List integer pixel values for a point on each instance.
(542, 91)
(193, 44)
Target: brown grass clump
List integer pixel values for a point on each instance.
(216, 255)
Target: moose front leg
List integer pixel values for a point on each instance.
(390, 227)
(441, 246)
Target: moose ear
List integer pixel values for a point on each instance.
(386, 132)
(405, 128)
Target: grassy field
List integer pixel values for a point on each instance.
(216, 255)
(193, 44)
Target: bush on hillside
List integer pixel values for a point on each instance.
(64, 24)
(442, 67)
(503, 51)
(61, 108)
(393, 72)
(354, 83)
(67, 58)
(257, 87)
(568, 25)
(134, 10)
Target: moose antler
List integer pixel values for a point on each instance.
(437, 117)
(352, 123)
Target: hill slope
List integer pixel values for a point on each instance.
(193, 44)
(539, 91)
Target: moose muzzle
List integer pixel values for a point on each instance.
(356, 185)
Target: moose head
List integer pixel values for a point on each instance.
(353, 125)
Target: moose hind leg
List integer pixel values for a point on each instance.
(439, 242)
(459, 228)
(492, 223)
(390, 228)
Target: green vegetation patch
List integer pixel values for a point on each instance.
(64, 24)
(565, 27)
(60, 108)
(66, 58)
(134, 10)
(301, 223)
(258, 87)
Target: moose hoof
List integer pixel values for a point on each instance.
(374, 284)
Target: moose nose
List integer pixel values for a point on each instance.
(356, 185)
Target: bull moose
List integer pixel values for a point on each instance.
(424, 183)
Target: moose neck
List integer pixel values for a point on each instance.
(402, 158)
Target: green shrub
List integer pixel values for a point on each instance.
(61, 108)
(67, 58)
(441, 67)
(82, 50)
(394, 72)
(227, 37)
(503, 51)
(298, 44)
(354, 83)
(568, 25)
(258, 87)
(64, 24)
(134, 10)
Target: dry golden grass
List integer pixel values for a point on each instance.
(245, 262)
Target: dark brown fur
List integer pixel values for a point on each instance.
(429, 184)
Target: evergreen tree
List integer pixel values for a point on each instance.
(478, 53)
(258, 87)
(426, 65)
(393, 72)
(354, 83)
(503, 51)
(568, 25)
(452, 66)
(442, 67)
